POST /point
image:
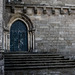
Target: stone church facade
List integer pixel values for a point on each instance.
(50, 24)
(37, 26)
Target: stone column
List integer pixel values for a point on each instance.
(33, 39)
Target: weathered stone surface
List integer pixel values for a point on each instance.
(1, 65)
(53, 32)
(1, 20)
(43, 72)
(51, 2)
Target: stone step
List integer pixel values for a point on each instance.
(23, 52)
(38, 64)
(15, 55)
(35, 53)
(48, 58)
(54, 61)
(18, 61)
(37, 59)
(33, 57)
(39, 67)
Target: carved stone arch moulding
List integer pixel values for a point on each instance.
(24, 18)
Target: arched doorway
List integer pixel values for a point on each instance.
(18, 36)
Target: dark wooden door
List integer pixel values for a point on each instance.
(18, 36)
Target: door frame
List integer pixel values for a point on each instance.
(25, 19)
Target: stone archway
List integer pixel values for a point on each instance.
(30, 30)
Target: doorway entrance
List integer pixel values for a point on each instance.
(18, 36)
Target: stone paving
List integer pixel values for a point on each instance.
(70, 71)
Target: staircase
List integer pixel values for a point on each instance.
(22, 61)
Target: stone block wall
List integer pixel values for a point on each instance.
(53, 32)
(50, 2)
(1, 38)
(1, 21)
